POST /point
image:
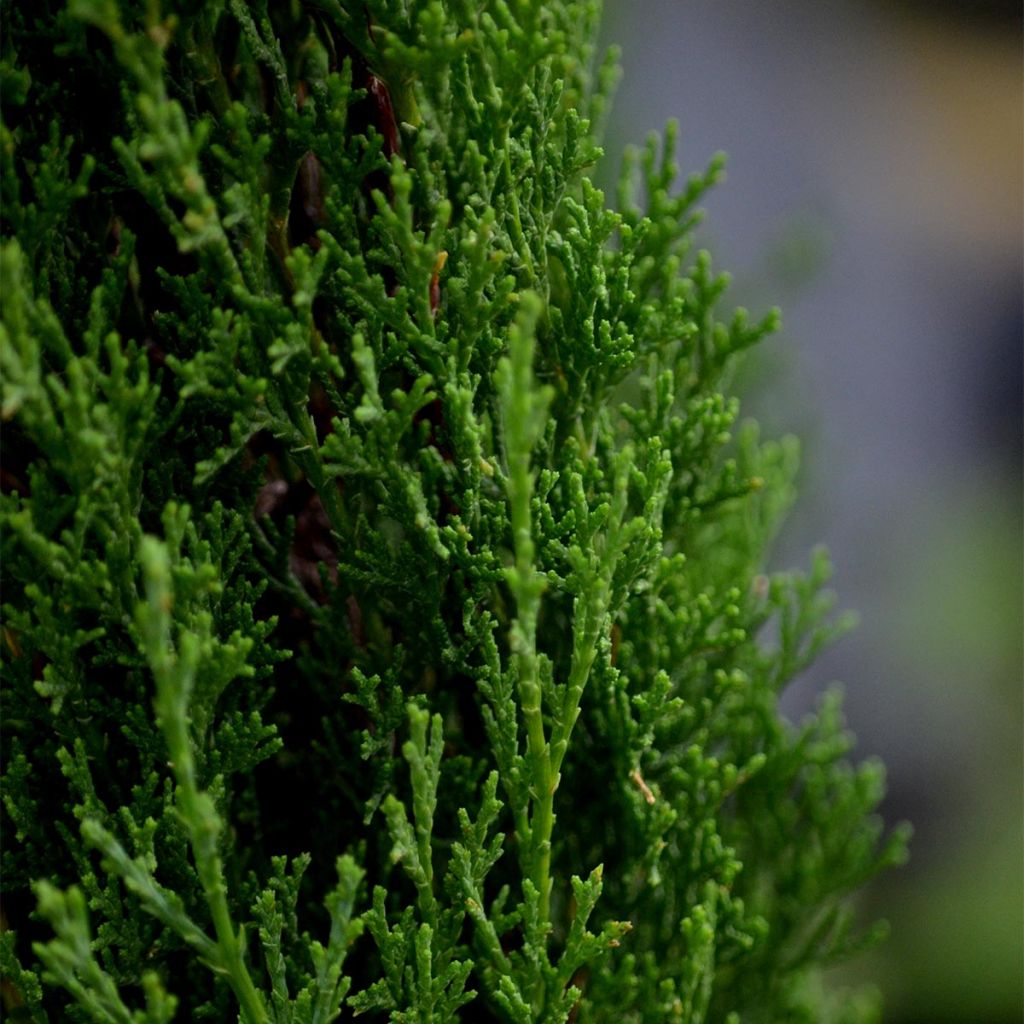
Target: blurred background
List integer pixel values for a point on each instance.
(874, 192)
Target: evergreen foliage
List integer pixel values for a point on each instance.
(386, 627)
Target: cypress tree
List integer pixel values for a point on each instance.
(387, 631)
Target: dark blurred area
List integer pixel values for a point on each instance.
(875, 193)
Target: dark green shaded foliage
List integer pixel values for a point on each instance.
(386, 630)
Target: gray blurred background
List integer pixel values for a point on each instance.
(875, 192)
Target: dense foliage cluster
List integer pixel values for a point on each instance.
(386, 630)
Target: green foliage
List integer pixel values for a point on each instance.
(377, 524)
